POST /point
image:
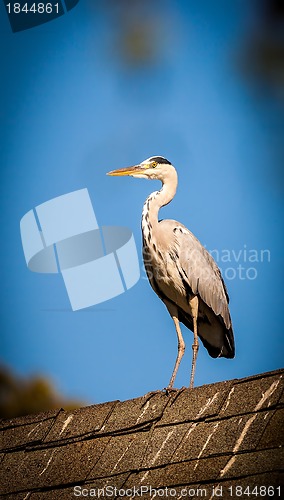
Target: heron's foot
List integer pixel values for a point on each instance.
(169, 390)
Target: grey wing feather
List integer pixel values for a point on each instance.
(202, 273)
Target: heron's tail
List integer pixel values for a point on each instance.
(219, 345)
(230, 342)
(216, 338)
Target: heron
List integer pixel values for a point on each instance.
(181, 271)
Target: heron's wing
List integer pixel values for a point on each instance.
(199, 270)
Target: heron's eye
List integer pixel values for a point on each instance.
(154, 164)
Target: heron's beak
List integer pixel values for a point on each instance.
(136, 169)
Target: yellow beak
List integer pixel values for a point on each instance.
(136, 169)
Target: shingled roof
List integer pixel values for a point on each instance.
(191, 443)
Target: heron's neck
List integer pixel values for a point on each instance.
(154, 202)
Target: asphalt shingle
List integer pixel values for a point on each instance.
(23, 435)
(223, 435)
(137, 412)
(203, 402)
(252, 395)
(48, 467)
(86, 421)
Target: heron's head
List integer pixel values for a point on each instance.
(155, 167)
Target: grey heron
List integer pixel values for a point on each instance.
(181, 271)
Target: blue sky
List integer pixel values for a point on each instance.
(73, 108)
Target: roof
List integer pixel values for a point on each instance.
(224, 435)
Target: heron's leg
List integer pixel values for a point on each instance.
(194, 311)
(181, 349)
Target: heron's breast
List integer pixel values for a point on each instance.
(163, 269)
